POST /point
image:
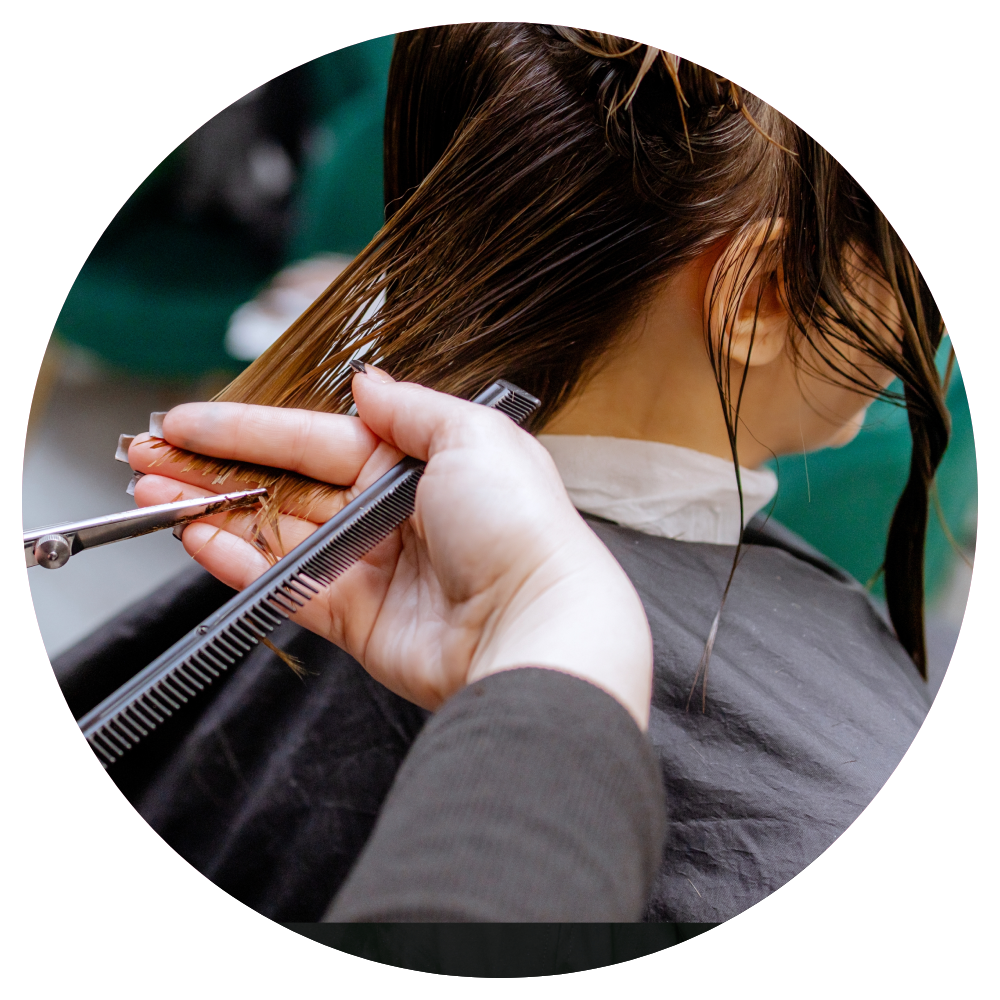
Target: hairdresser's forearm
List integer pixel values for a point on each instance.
(530, 796)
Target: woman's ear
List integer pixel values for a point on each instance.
(760, 329)
(745, 298)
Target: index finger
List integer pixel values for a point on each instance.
(330, 447)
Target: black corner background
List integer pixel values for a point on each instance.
(104, 103)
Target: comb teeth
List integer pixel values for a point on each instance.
(222, 647)
(202, 656)
(515, 403)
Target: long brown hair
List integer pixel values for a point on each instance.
(540, 183)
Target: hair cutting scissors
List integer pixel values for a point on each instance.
(52, 546)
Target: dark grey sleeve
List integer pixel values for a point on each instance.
(530, 796)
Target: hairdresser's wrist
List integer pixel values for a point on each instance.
(582, 617)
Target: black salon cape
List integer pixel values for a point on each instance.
(271, 785)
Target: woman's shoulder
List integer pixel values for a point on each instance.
(776, 568)
(765, 531)
(789, 611)
(807, 706)
(760, 531)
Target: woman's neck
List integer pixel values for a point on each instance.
(658, 384)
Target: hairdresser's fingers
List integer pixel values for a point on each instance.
(344, 614)
(353, 600)
(242, 522)
(238, 563)
(154, 489)
(227, 557)
(418, 420)
(479, 454)
(151, 456)
(241, 525)
(215, 550)
(317, 504)
(329, 447)
(280, 538)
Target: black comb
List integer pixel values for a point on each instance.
(195, 661)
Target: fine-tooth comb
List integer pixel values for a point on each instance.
(191, 665)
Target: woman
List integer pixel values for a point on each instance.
(636, 241)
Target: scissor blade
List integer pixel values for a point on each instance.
(132, 523)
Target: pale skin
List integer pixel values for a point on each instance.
(663, 370)
(496, 570)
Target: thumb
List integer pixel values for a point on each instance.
(408, 416)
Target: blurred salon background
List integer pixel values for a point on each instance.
(222, 247)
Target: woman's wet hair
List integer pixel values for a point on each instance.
(541, 183)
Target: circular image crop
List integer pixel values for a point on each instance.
(738, 373)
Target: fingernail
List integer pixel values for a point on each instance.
(358, 366)
(124, 443)
(178, 532)
(130, 489)
(156, 423)
(376, 373)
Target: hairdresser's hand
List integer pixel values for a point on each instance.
(495, 570)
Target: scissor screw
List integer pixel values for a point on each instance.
(52, 551)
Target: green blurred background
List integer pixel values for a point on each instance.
(842, 499)
(157, 292)
(205, 233)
